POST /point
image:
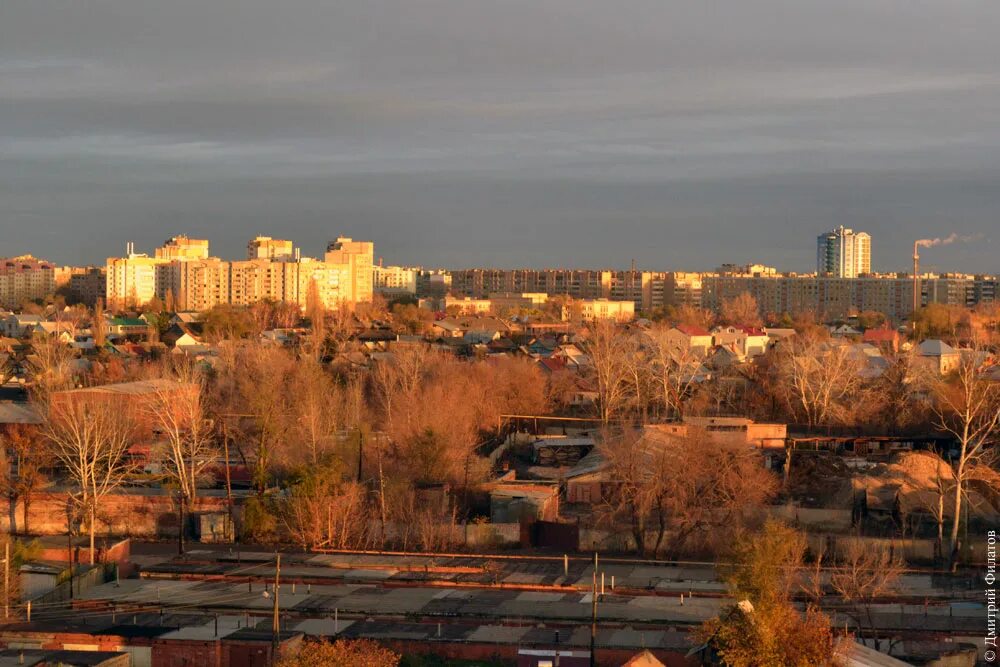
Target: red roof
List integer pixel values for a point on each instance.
(692, 330)
(553, 364)
(753, 331)
(880, 335)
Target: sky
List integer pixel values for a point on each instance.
(681, 134)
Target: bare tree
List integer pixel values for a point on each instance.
(675, 371)
(609, 350)
(50, 366)
(817, 379)
(317, 412)
(670, 488)
(967, 407)
(867, 573)
(26, 458)
(741, 310)
(90, 437)
(178, 412)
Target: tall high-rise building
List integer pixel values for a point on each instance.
(25, 278)
(135, 279)
(358, 258)
(182, 247)
(844, 253)
(264, 247)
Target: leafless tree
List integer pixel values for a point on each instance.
(671, 488)
(50, 366)
(675, 371)
(817, 379)
(609, 350)
(741, 310)
(90, 437)
(866, 573)
(178, 412)
(26, 458)
(967, 406)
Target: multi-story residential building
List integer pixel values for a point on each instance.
(183, 248)
(86, 284)
(392, 281)
(199, 285)
(264, 247)
(826, 296)
(256, 280)
(844, 253)
(357, 258)
(25, 278)
(497, 304)
(136, 279)
(433, 283)
(590, 310)
(645, 289)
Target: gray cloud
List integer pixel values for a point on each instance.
(568, 132)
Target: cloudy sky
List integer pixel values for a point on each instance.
(682, 134)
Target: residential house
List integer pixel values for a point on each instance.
(514, 502)
(938, 356)
(20, 325)
(689, 338)
(748, 342)
(885, 338)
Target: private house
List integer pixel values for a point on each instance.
(938, 356)
(884, 338)
(688, 338)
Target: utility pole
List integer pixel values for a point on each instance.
(361, 444)
(180, 523)
(275, 621)
(593, 617)
(6, 579)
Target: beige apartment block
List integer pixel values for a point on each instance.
(358, 258)
(264, 247)
(182, 247)
(25, 278)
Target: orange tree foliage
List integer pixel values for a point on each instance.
(764, 628)
(341, 653)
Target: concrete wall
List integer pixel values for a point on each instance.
(119, 514)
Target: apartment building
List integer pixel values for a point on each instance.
(394, 281)
(25, 278)
(182, 247)
(86, 284)
(592, 310)
(136, 279)
(356, 259)
(433, 283)
(264, 247)
(200, 284)
(843, 253)
(645, 289)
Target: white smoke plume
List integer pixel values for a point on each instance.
(948, 240)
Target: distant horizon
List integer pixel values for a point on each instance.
(926, 266)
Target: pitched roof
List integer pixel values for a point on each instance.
(692, 330)
(935, 348)
(880, 335)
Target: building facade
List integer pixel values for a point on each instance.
(182, 247)
(844, 253)
(25, 278)
(356, 259)
(264, 247)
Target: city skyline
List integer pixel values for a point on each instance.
(468, 134)
(237, 250)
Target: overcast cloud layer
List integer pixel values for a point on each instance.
(683, 134)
